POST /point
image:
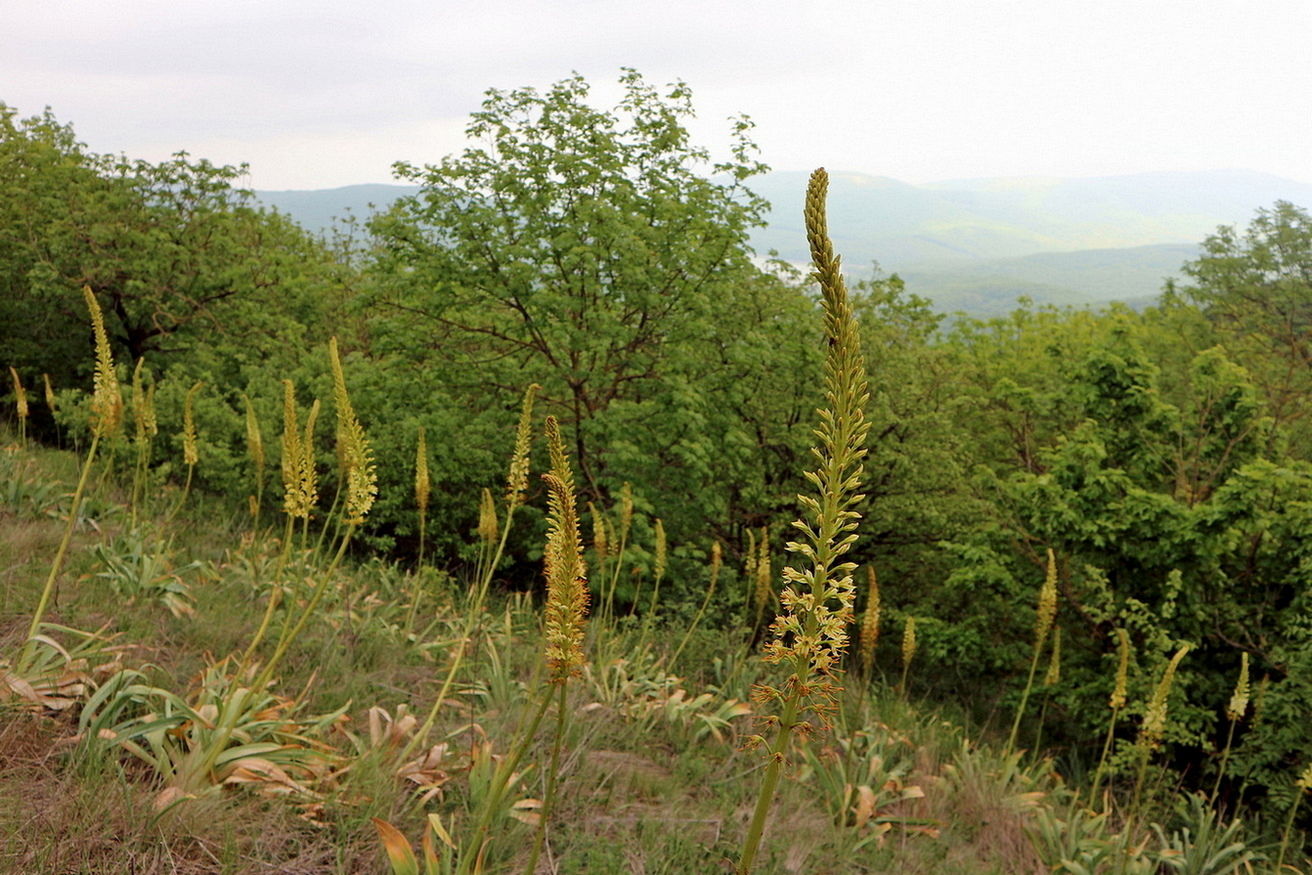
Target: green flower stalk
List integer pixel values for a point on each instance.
(870, 622)
(658, 565)
(106, 417)
(361, 491)
(20, 403)
(763, 576)
(361, 476)
(1154, 721)
(516, 489)
(717, 563)
(190, 448)
(566, 609)
(50, 394)
(255, 447)
(1116, 702)
(145, 428)
(567, 581)
(908, 652)
(1046, 613)
(810, 633)
(618, 543)
(1234, 711)
(423, 488)
(1301, 787)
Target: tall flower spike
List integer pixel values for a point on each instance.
(764, 571)
(1154, 719)
(144, 422)
(190, 451)
(1239, 700)
(659, 565)
(299, 479)
(357, 459)
(626, 510)
(422, 485)
(908, 643)
(567, 584)
(1054, 664)
(107, 400)
(487, 518)
(600, 539)
(254, 439)
(1117, 700)
(811, 632)
(870, 620)
(20, 394)
(1047, 602)
(50, 394)
(517, 481)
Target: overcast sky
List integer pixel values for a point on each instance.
(321, 93)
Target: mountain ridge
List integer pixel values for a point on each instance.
(971, 242)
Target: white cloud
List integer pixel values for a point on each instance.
(916, 90)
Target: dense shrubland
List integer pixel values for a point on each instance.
(257, 628)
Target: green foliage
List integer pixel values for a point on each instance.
(585, 250)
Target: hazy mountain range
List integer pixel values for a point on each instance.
(974, 245)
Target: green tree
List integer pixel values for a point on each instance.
(176, 254)
(1255, 287)
(575, 247)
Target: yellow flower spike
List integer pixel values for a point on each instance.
(50, 394)
(106, 400)
(517, 481)
(1117, 700)
(1054, 664)
(659, 564)
(422, 485)
(1239, 700)
(254, 439)
(190, 451)
(1154, 719)
(487, 518)
(1047, 602)
(870, 620)
(361, 476)
(567, 583)
(20, 394)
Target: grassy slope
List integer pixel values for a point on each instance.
(654, 779)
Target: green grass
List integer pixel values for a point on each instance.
(645, 785)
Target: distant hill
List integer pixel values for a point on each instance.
(317, 209)
(974, 245)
